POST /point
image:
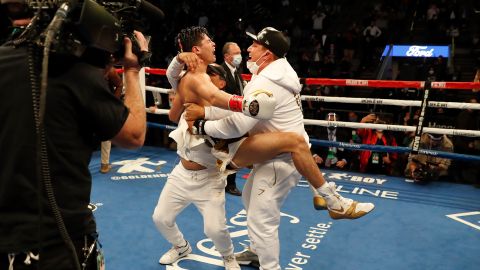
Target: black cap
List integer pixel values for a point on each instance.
(218, 70)
(273, 40)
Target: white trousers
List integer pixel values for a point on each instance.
(263, 195)
(206, 190)
(105, 152)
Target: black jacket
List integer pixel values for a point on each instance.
(80, 112)
(232, 87)
(342, 135)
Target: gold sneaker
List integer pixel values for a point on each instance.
(350, 209)
(319, 203)
(344, 208)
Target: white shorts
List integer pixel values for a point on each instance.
(225, 157)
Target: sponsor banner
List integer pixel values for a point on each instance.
(418, 51)
(141, 168)
(376, 184)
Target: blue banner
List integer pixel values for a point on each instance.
(418, 51)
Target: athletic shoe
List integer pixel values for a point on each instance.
(319, 203)
(105, 168)
(344, 208)
(231, 263)
(247, 257)
(175, 253)
(232, 189)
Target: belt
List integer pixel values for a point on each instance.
(191, 165)
(222, 144)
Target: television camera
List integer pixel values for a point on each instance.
(72, 26)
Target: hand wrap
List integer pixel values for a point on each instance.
(199, 127)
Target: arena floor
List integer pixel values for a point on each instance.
(436, 226)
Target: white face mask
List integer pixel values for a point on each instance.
(253, 67)
(237, 60)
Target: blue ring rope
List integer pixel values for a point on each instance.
(394, 149)
(369, 147)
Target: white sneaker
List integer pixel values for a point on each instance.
(344, 208)
(175, 253)
(231, 263)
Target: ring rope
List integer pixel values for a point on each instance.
(157, 89)
(379, 84)
(355, 125)
(394, 149)
(157, 111)
(368, 147)
(363, 83)
(393, 102)
(392, 84)
(454, 132)
(169, 127)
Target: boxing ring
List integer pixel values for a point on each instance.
(419, 129)
(436, 226)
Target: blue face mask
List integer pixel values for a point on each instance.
(237, 60)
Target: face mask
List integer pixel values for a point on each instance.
(326, 91)
(332, 117)
(253, 67)
(237, 60)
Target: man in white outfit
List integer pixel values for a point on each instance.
(271, 181)
(195, 179)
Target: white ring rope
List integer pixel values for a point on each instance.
(394, 102)
(157, 89)
(354, 125)
(454, 132)
(158, 111)
(377, 101)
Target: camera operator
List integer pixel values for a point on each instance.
(423, 168)
(80, 112)
(19, 16)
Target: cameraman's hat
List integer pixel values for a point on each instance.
(273, 40)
